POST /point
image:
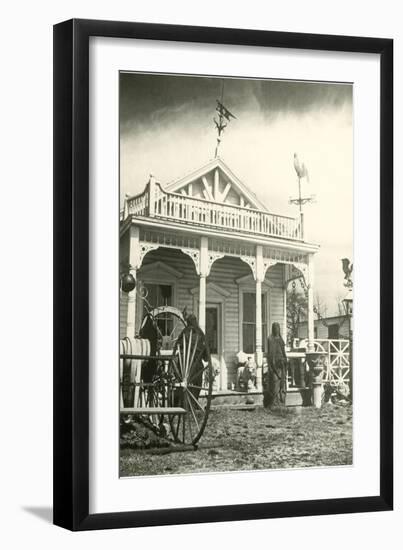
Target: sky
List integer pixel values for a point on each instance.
(167, 129)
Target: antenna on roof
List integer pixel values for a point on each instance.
(224, 117)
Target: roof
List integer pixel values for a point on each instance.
(331, 318)
(236, 183)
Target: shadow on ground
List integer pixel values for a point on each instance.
(45, 513)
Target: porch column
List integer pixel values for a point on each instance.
(258, 347)
(151, 196)
(285, 312)
(202, 283)
(134, 254)
(311, 332)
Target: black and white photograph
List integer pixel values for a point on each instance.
(200, 275)
(236, 274)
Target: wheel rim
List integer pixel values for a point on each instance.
(191, 385)
(169, 324)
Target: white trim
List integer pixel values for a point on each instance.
(175, 185)
(283, 244)
(219, 298)
(215, 288)
(226, 191)
(207, 190)
(160, 268)
(246, 288)
(248, 280)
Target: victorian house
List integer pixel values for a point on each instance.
(206, 243)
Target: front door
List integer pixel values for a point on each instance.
(213, 329)
(213, 336)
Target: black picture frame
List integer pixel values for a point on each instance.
(72, 284)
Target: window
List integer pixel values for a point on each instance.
(333, 332)
(249, 322)
(160, 295)
(212, 329)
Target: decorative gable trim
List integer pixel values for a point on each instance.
(248, 280)
(249, 198)
(162, 269)
(215, 288)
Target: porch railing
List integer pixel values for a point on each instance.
(155, 202)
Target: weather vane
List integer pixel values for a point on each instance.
(302, 172)
(224, 117)
(348, 272)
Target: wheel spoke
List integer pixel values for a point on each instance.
(188, 364)
(183, 428)
(192, 411)
(197, 373)
(196, 361)
(180, 365)
(197, 387)
(186, 399)
(159, 331)
(174, 328)
(184, 355)
(195, 400)
(175, 366)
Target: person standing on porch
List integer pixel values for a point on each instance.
(275, 388)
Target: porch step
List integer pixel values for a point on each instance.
(238, 407)
(233, 398)
(295, 397)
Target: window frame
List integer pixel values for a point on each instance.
(248, 285)
(152, 274)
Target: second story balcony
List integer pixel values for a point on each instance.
(155, 202)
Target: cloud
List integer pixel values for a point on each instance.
(167, 129)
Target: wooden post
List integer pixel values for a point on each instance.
(202, 284)
(202, 303)
(285, 285)
(134, 254)
(151, 196)
(311, 331)
(216, 184)
(350, 354)
(259, 347)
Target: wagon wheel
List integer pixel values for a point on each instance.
(169, 323)
(154, 395)
(190, 386)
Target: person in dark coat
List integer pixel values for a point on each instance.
(276, 386)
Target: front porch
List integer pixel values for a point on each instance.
(236, 289)
(206, 243)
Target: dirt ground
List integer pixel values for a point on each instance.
(234, 440)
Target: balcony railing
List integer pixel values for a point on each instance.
(155, 202)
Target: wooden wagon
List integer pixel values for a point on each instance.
(167, 376)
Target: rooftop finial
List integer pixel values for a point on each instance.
(224, 117)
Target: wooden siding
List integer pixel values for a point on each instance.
(275, 275)
(180, 262)
(322, 331)
(224, 274)
(122, 315)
